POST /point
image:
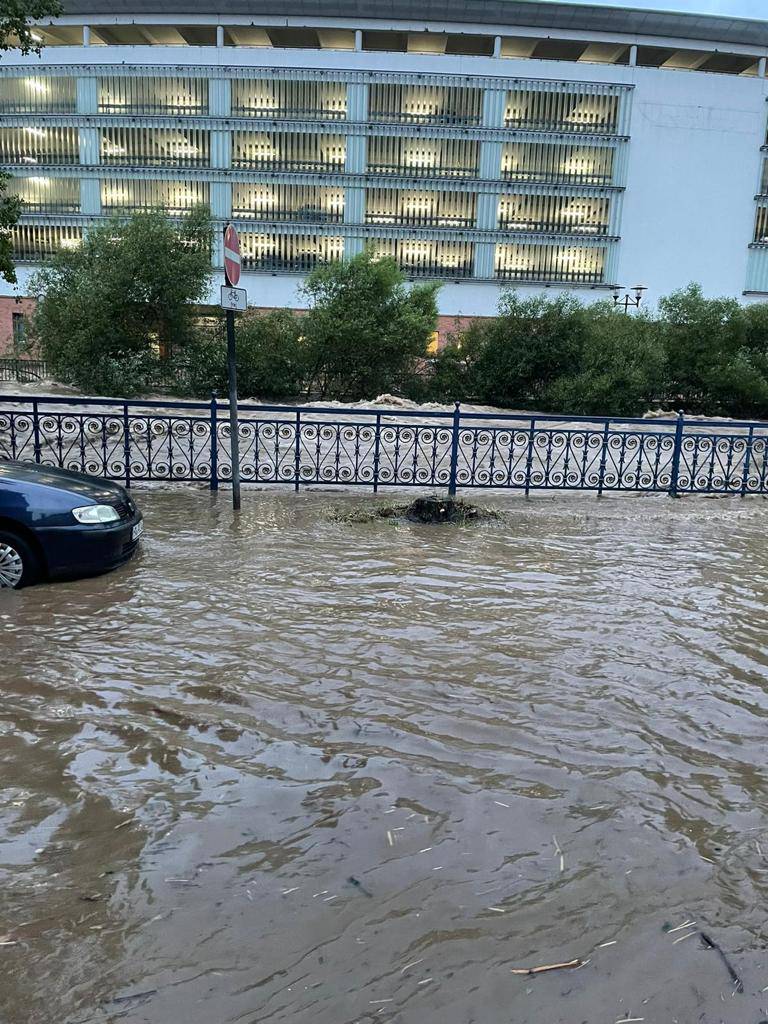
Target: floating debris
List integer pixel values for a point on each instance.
(430, 509)
(426, 849)
(414, 964)
(287, 892)
(500, 804)
(359, 885)
(559, 853)
(547, 967)
(682, 938)
(425, 982)
(390, 838)
(604, 944)
(497, 910)
(711, 944)
(123, 824)
(680, 927)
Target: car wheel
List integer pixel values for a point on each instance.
(18, 564)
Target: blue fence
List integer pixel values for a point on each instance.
(189, 441)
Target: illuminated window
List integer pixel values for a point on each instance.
(271, 252)
(549, 108)
(557, 162)
(314, 203)
(428, 257)
(188, 147)
(423, 157)
(427, 207)
(554, 213)
(296, 100)
(34, 242)
(41, 194)
(174, 197)
(153, 95)
(569, 264)
(289, 151)
(425, 104)
(51, 95)
(32, 145)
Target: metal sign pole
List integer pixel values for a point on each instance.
(232, 278)
(234, 430)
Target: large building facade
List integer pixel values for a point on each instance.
(482, 142)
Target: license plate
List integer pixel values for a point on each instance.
(137, 531)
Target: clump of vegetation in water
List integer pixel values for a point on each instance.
(431, 509)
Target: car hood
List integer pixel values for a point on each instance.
(61, 479)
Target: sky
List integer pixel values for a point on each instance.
(732, 8)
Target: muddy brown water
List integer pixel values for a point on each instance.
(198, 753)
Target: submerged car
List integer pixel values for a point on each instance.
(57, 524)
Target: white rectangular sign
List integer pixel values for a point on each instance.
(233, 298)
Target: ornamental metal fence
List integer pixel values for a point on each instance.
(22, 371)
(378, 447)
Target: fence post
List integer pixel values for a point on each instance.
(127, 445)
(297, 452)
(676, 451)
(603, 459)
(454, 449)
(529, 457)
(747, 461)
(214, 444)
(376, 452)
(36, 431)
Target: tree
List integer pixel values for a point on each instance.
(525, 350)
(16, 33)
(16, 30)
(110, 311)
(365, 331)
(621, 369)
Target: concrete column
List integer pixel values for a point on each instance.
(352, 246)
(354, 205)
(219, 35)
(356, 155)
(761, 67)
(220, 97)
(358, 39)
(357, 102)
(87, 101)
(490, 160)
(484, 258)
(497, 46)
(221, 149)
(221, 200)
(487, 211)
(494, 108)
(633, 56)
(88, 139)
(86, 35)
(90, 196)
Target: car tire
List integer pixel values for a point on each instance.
(19, 565)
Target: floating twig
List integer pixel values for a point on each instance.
(414, 964)
(685, 924)
(546, 967)
(739, 984)
(682, 938)
(559, 853)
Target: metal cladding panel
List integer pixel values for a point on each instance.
(528, 13)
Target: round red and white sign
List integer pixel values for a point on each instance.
(231, 256)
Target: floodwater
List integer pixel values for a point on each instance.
(528, 742)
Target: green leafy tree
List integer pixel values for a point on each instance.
(621, 368)
(16, 33)
(110, 311)
(527, 348)
(706, 350)
(365, 331)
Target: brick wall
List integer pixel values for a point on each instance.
(9, 306)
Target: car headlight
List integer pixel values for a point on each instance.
(96, 514)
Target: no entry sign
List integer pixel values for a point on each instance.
(231, 256)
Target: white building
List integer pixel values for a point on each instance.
(482, 142)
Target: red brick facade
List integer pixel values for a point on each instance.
(8, 307)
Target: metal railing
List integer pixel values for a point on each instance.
(299, 445)
(22, 371)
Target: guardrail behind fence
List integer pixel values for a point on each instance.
(379, 447)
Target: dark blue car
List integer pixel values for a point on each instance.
(57, 524)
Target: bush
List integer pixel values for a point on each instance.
(620, 370)
(365, 332)
(110, 311)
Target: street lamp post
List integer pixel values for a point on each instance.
(629, 300)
